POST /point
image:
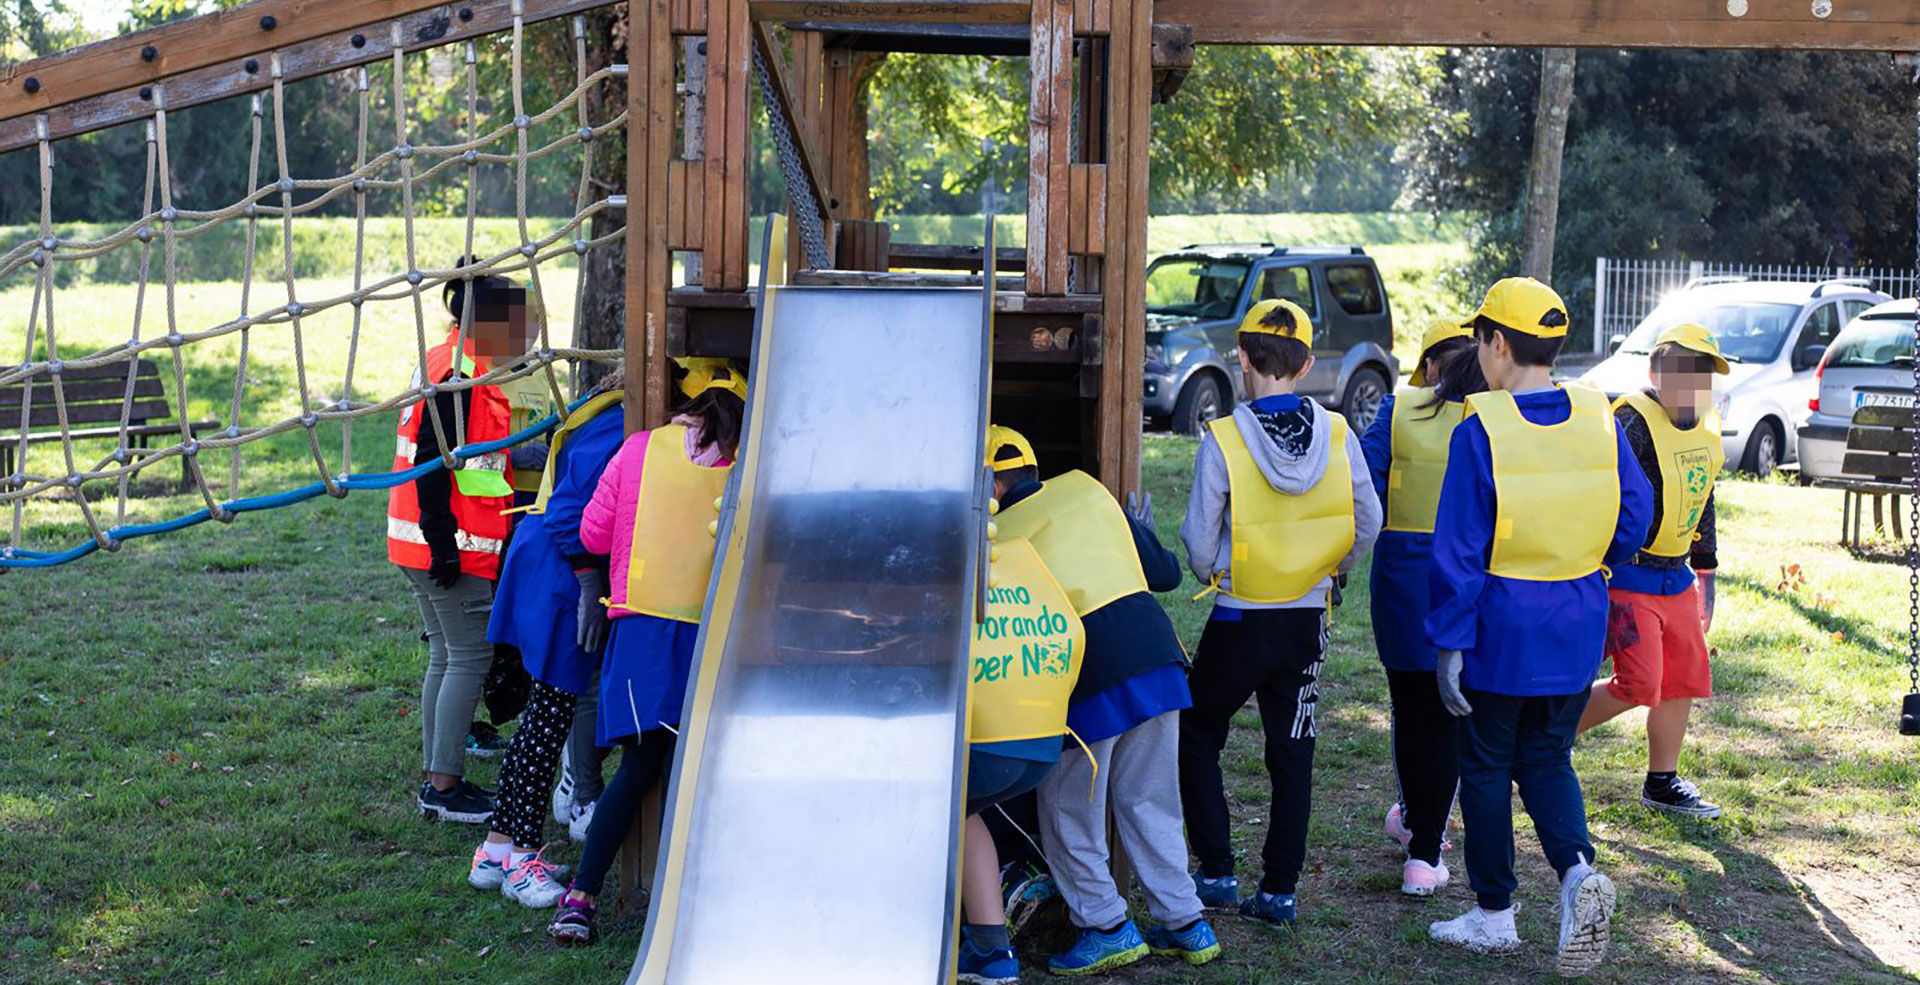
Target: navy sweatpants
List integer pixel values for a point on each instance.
(1524, 742)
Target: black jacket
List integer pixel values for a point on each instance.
(1130, 635)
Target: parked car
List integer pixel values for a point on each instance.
(1197, 295)
(1871, 363)
(1773, 332)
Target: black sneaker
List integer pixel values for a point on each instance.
(465, 803)
(484, 741)
(1677, 796)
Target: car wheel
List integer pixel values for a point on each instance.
(1361, 403)
(1201, 400)
(1763, 449)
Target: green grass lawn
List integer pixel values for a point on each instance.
(212, 746)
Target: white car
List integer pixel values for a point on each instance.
(1871, 363)
(1773, 332)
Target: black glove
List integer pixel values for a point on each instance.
(530, 457)
(444, 569)
(590, 632)
(1338, 593)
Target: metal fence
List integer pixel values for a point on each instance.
(1626, 291)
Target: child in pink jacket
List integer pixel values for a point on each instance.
(666, 492)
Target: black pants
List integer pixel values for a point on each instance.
(1275, 654)
(1426, 759)
(644, 760)
(526, 775)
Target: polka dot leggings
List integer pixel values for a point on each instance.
(526, 776)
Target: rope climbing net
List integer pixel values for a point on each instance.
(165, 229)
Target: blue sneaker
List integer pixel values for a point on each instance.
(1272, 909)
(1195, 945)
(1095, 952)
(1000, 967)
(1217, 894)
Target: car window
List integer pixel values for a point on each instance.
(1292, 283)
(1195, 288)
(1821, 326)
(1747, 331)
(1853, 309)
(1356, 288)
(1883, 341)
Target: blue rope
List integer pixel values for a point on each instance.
(22, 558)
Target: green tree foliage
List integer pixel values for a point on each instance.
(945, 128)
(1777, 157)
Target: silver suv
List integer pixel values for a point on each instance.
(1197, 295)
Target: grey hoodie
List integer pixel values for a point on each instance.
(1292, 464)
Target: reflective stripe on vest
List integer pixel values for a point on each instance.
(1026, 656)
(1284, 545)
(481, 492)
(1421, 437)
(672, 552)
(409, 532)
(1079, 531)
(1556, 486)
(1689, 460)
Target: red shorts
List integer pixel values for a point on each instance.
(1668, 660)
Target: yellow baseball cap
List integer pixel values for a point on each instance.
(1694, 338)
(706, 373)
(1441, 331)
(1525, 305)
(999, 438)
(1254, 322)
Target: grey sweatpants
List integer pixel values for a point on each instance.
(458, 658)
(583, 755)
(1140, 777)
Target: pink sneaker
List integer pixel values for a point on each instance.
(1417, 878)
(1397, 825)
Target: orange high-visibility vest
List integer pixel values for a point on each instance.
(481, 485)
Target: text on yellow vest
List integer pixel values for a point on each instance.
(1556, 486)
(672, 554)
(1421, 436)
(1079, 531)
(1284, 545)
(1025, 655)
(530, 400)
(1689, 459)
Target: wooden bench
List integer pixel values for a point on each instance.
(94, 398)
(1880, 456)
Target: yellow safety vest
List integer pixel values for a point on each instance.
(1689, 461)
(1421, 437)
(1284, 545)
(672, 555)
(1556, 486)
(610, 400)
(1080, 532)
(1026, 656)
(529, 401)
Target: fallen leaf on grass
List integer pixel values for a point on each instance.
(1839, 637)
(226, 769)
(163, 803)
(126, 781)
(33, 887)
(304, 942)
(195, 767)
(484, 951)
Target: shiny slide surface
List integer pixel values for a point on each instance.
(813, 820)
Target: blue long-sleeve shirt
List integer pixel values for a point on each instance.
(1520, 638)
(1397, 581)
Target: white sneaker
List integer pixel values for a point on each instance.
(1417, 878)
(581, 820)
(1397, 824)
(484, 872)
(531, 883)
(1586, 920)
(1479, 931)
(563, 793)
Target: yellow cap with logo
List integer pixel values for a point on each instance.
(1694, 338)
(1000, 438)
(1256, 321)
(1525, 305)
(710, 373)
(1442, 330)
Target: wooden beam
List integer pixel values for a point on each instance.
(428, 28)
(810, 161)
(729, 95)
(1087, 209)
(893, 11)
(650, 132)
(1049, 138)
(1873, 25)
(1123, 272)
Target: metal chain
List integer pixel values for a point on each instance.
(1913, 493)
(813, 236)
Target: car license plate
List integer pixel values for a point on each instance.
(1865, 398)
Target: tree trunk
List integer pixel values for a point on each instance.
(1549, 145)
(603, 308)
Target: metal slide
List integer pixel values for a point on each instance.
(813, 820)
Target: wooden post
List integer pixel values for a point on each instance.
(1122, 282)
(1049, 138)
(729, 94)
(650, 126)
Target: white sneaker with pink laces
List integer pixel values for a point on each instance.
(1417, 878)
(530, 882)
(1397, 825)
